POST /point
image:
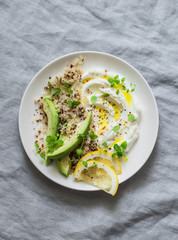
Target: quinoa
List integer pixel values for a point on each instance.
(69, 118)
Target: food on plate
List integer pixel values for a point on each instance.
(85, 119)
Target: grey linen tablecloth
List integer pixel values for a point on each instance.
(144, 33)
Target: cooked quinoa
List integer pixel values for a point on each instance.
(69, 118)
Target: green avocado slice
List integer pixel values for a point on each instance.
(52, 114)
(71, 142)
(64, 165)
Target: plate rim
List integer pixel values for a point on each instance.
(80, 53)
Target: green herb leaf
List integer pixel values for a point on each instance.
(76, 103)
(66, 84)
(110, 80)
(133, 89)
(131, 117)
(36, 145)
(79, 151)
(42, 155)
(85, 164)
(118, 150)
(117, 92)
(105, 95)
(127, 90)
(124, 145)
(94, 164)
(123, 80)
(56, 91)
(105, 144)
(105, 151)
(93, 99)
(72, 160)
(50, 148)
(117, 81)
(92, 135)
(49, 86)
(51, 138)
(69, 90)
(114, 154)
(123, 87)
(81, 135)
(72, 104)
(116, 128)
(58, 143)
(116, 77)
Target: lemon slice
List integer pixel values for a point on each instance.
(104, 157)
(98, 174)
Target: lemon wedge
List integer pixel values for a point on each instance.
(104, 157)
(98, 174)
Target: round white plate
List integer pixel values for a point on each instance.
(98, 62)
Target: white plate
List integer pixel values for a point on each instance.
(95, 61)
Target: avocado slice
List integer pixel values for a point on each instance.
(64, 165)
(52, 114)
(53, 118)
(71, 142)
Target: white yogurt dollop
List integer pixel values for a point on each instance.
(110, 111)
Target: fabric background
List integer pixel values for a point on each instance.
(144, 33)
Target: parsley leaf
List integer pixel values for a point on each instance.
(92, 135)
(123, 80)
(116, 128)
(66, 84)
(51, 149)
(120, 150)
(81, 135)
(85, 164)
(105, 95)
(93, 99)
(51, 138)
(42, 155)
(117, 92)
(36, 145)
(124, 145)
(114, 154)
(123, 87)
(53, 142)
(56, 91)
(72, 160)
(69, 90)
(49, 86)
(131, 117)
(105, 144)
(72, 103)
(116, 77)
(79, 152)
(94, 164)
